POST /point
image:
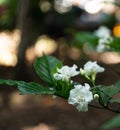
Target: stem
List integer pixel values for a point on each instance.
(93, 82)
(96, 106)
(110, 109)
(104, 107)
(93, 77)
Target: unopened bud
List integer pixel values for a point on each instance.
(96, 96)
(82, 72)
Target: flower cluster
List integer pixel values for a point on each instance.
(104, 35)
(79, 95)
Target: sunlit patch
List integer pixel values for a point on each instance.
(106, 57)
(44, 5)
(41, 126)
(116, 30)
(63, 6)
(30, 54)
(44, 44)
(110, 58)
(8, 47)
(74, 53)
(2, 2)
(94, 6)
(109, 8)
(17, 100)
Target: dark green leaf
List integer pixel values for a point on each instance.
(106, 93)
(44, 67)
(115, 44)
(110, 90)
(34, 88)
(103, 99)
(86, 37)
(10, 82)
(28, 88)
(117, 84)
(114, 122)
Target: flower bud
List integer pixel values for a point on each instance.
(96, 96)
(82, 72)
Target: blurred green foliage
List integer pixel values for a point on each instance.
(8, 10)
(90, 40)
(112, 123)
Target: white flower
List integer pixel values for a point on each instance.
(66, 72)
(103, 44)
(92, 68)
(102, 31)
(80, 96)
(105, 38)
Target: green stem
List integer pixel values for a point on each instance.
(93, 77)
(104, 107)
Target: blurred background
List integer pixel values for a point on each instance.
(27, 29)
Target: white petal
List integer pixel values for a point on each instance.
(83, 107)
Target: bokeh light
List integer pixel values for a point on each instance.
(116, 30)
(41, 126)
(106, 57)
(44, 44)
(63, 6)
(9, 42)
(94, 6)
(44, 5)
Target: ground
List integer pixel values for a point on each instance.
(50, 114)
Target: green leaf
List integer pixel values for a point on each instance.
(117, 84)
(103, 99)
(114, 122)
(86, 37)
(44, 67)
(28, 88)
(115, 44)
(110, 90)
(34, 88)
(106, 93)
(10, 82)
(117, 100)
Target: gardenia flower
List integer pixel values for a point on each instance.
(66, 72)
(91, 68)
(80, 96)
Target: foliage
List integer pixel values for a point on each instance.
(95, 42)
(112, 123)
(81, 38)
(9, 10)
